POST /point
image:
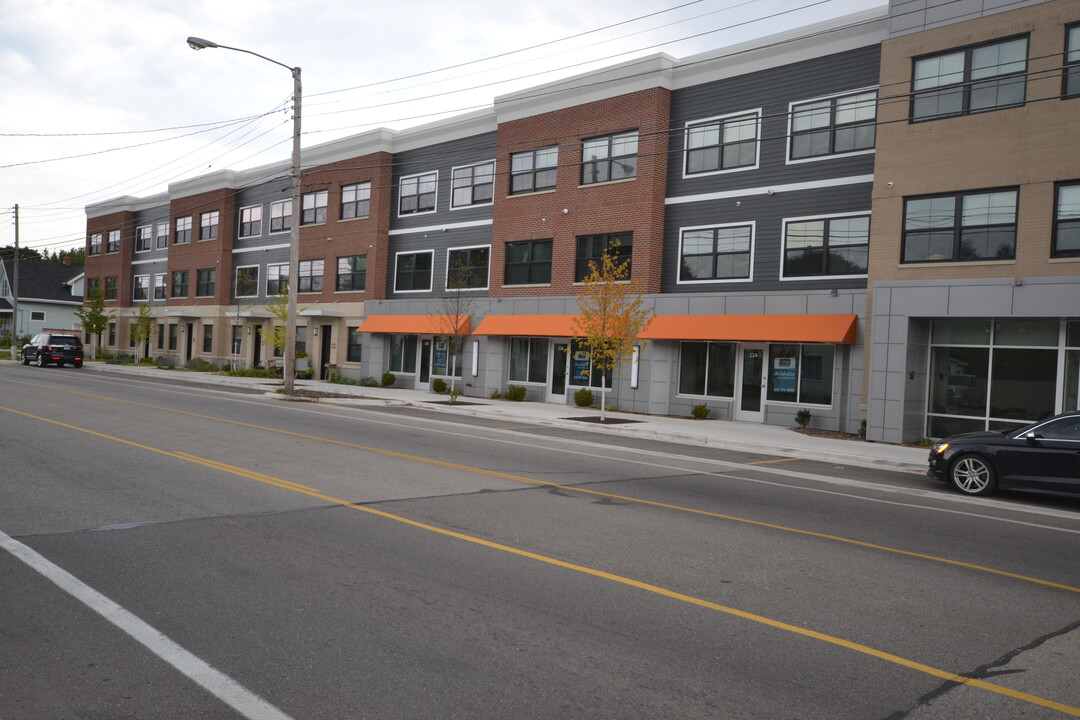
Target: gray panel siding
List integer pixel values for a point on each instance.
(769, 213)
(440, 242)
(442, 157)
(772, 91)
(263, 194)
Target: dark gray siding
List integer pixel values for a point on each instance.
(151, 217)
(772, 91)
(262, 194)
(440, 242)
(442, 157)
(277, 256)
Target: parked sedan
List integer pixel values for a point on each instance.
(45, 348)
(1043, 457)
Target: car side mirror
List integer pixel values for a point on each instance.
(1032, 438)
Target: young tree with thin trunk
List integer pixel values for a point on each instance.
(455, 308)
(142, 329)
(94, 318)
(611, 316)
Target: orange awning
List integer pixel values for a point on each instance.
(753, 328)
(414, 324)
(538, 325)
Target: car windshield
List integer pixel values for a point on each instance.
(64, 340)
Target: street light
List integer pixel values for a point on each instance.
(196, 43)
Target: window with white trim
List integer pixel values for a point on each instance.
(722, 144)
(159, 286)
(251, 221)
(826, 246)
(161, 233)
(467, 268)
(472, 185)
(143, 238)
(417, 193)
(277, 279)
(721, 252)
(141, 288)
(413, 271)
(281, 216)
(832, 126)
(247, 281)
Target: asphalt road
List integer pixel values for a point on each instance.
(186, 552)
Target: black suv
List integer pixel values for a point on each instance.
(45, 348)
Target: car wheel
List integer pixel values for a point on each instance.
(77, 363)
(973, 475)
(25, 360)
(41, 361)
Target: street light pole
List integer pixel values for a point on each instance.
(196, 43)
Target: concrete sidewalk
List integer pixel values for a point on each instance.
(749, 437)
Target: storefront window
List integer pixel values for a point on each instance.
(707, 369)
(801, 373)
(441, 362)
(582, 372)
(403, 353)
(528, 359)
(1023, 384)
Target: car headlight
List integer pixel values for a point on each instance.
(939, 448)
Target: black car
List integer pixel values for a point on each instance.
(45, 348)
(1043, 457)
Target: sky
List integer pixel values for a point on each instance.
(104, 98)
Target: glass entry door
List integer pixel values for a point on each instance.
(559, 359)
(748, 405)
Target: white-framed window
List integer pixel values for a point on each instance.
(277, 279)
(355, 201)
(37, 316)
(281, 216)
(467, 267)
(722, 144)
(418, 193)
(141, 288)
(472, 185)
(310, 276)
(611, 157)
(251, 221)
(826, 246)
(314, 210)
(412, 271)
(247, 281)
(716, 253)
(834, 125)
(159, 285)
(143, 238)
(161, 235)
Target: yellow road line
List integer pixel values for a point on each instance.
(766, 462)
(648, 587)
(568, 488)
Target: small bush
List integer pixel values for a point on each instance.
(388, 379)
(438, 385)
(584, 398)
(700, 412)
(454, 395)
(496, 395)
(803, 417)
(515, 393)
(249, 372)
(369, 382)
(200, 365)
(862, 429)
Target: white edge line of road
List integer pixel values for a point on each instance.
(218, 684)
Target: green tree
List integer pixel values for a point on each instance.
(142, 329)
(94, 318)
(25, 253)
(611, 315)
(455, 308)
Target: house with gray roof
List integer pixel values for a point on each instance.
(49, 295)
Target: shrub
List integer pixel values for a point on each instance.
(584, 398)
(862, 429)
(388, 379)
(700, 412)
(803, 417)
(454, 395)
(496, 395)
(200, 365)
(438, 385)
(515, 393)
(369, 382)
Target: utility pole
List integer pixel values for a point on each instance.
(15, 293)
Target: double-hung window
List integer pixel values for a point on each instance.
(159, 286)
(969, 226)
(208, 225)
(467, 268)
(180, 283)
(92, 287)
(720, 144)
(820, 246)
(528, 263)
(533, 170)
(612, 157)
(722, 252)
(310, 276)
(1067, 221)
(112, 286)
(314, 210)
(355, 201)
(208, 339)
(591, 250)
(1072, 61)
(417, 193)
(247, 281)
(281, 216)
(972, 80)
(95, 244)
(356, 346)
(277, 279)
(141, 288)
(472, 185)
(413, 271)
(114, 241)
(161, 232)
(830, 126)
(352, 272)
(143, 238)
(204, 282)
(183, 231)
(251, 221)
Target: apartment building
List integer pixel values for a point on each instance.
(974, 274)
